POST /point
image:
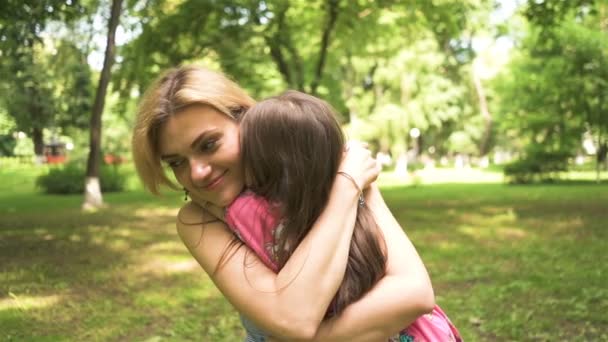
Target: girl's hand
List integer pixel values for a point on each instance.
(358, 163)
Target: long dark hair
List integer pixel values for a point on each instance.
(291, 147)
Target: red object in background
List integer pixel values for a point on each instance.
(113, 159)
(55, 153)
(50, 159)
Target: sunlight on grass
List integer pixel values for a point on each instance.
(493, 234)
(75, 238)
(511, 233)
(157, 211)
(574, 223)
(161, 266)
(124, 232)
(28, 302)
(167, 247)
(467, 176)
(483, 227)
(447, 245)
(440, 176)
(118, 245)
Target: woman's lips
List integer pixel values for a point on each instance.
(215, 183)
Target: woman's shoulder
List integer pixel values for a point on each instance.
(190, 212)
(191, 219)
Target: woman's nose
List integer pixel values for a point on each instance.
(199, 171)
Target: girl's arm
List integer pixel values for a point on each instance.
(404, 294)
(292, 303)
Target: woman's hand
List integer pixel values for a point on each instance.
(358, 163)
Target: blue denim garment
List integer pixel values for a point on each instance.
(254, 334)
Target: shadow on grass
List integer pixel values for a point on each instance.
(507, 263)
(501, 256)
(118, 274)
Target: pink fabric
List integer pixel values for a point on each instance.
(250, 218)
(432, 327)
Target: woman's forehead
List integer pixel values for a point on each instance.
(187, 126)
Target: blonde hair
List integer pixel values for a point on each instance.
(172, 92)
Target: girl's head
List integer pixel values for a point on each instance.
(188, 120)
(291, 147)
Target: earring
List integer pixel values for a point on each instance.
(185, 194)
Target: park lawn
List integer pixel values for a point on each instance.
(507, 263)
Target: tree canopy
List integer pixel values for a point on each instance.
(387, 66)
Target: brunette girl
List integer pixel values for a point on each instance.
(291, 148)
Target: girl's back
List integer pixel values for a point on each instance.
(292, 146)
(290, 185)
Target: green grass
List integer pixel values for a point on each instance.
(508, 263)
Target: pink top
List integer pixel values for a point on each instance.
(250, 218)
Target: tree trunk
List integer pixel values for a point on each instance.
(38, 140)
(484, 145)
(349, 79)
(601, 156)
(92, 193)
(275, 41)
(332, 17)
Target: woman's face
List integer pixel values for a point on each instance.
(201, 146)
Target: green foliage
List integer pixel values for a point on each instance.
(388, 66)
(412, 92)
(23, 147)
(537, 165)
(69, 179)
(7, 129)
(547, 14)
(7, 145)
(460, 141)
(553, 92)
(116, 138)
(46, 81)
(73, 91)
(29, 92)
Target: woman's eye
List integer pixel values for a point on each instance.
(208, 146)
(174, 163)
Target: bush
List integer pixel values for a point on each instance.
(69, 179)
(538, 166)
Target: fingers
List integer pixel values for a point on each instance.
(359, 163)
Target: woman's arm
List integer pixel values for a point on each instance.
(292, 303)
(404, 294)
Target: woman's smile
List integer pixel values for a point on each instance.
(215, 183)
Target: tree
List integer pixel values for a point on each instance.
(347, 52)
(7, 129)
(415, 76)
(555, 91)
(26, 69)
(92, 193)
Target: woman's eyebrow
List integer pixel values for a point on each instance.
(202, 136)
(193, 144)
